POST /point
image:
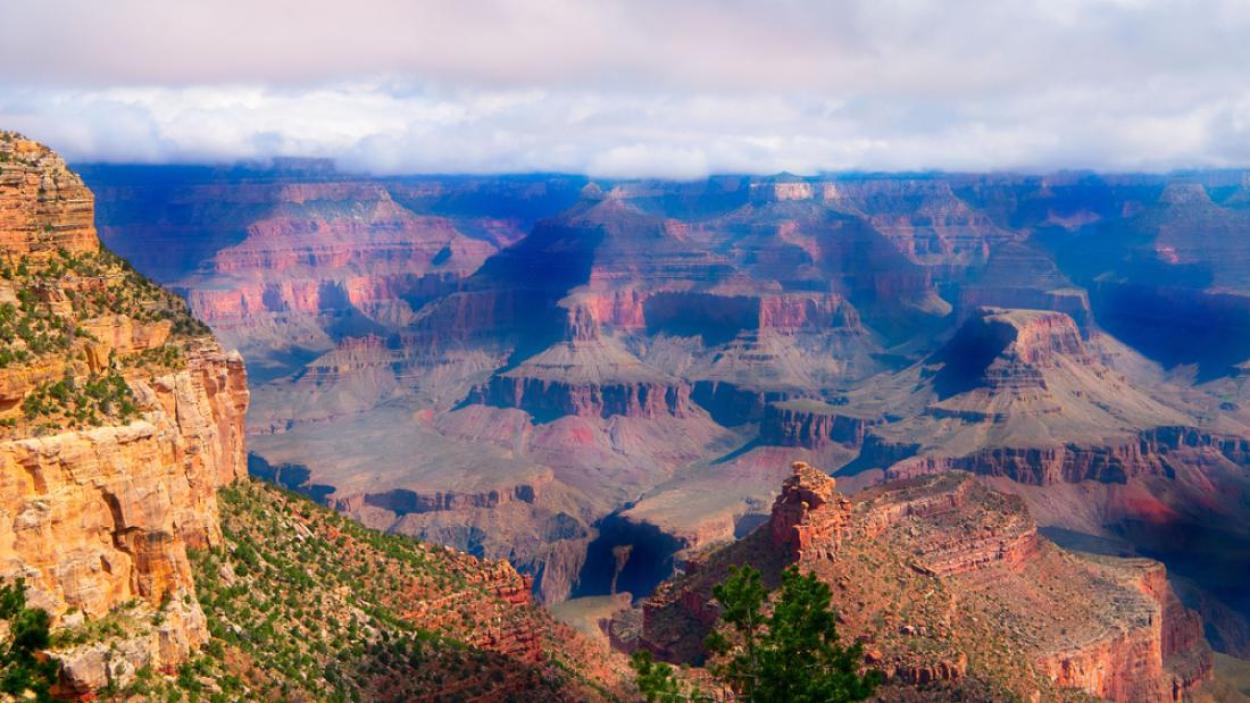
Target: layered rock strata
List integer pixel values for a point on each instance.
(122, 418)
(550, 331)
(949, 586)
(43, 205)
(1147, 454)
(812, 424)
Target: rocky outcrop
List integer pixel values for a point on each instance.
(797, 311)
(1040, 337)
(157, 639)
(403, 502)
(588, 376)
(718, 317)
(1006, 350)
(43, 205)
(1073, 302)
(939, 578)
(1159, 656)
(620, 309)
(717, 314)
(809, 514)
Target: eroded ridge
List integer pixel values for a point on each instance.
(949, 587)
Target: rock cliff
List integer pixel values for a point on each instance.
(121, 419)
(812, 424)
(593, 376)
(43, 205)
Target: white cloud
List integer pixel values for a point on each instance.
(641, 87)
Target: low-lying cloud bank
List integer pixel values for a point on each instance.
(641, 88)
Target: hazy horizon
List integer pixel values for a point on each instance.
(269, 164)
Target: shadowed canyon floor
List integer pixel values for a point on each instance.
(596, 381)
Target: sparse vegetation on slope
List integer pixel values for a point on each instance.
(54, 309)
(90, 402)
(304, 604)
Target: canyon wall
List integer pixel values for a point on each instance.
(546, 399)
(103, 515)
(1144, 455)
(122, 418)
(813, 425)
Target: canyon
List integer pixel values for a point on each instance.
(598, 381)
(132, 535)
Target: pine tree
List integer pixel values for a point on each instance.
(790, 655)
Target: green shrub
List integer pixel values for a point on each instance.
(22, 672)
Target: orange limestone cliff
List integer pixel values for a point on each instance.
(120, 417)
(950, 588)
(43, 205)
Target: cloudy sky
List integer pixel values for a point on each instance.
(636, 87)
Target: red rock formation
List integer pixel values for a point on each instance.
(946, 581)
(809, 516)
(402, 502)
(1145, 455)
(621, 309)
(627, 309)
(589, 376)
(1160, 657)
(923, 218)
(792, 312)
(1043, 337)
(747, 291)
(359, 228)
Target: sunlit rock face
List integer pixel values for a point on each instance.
(43, 205)
(123, 417)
